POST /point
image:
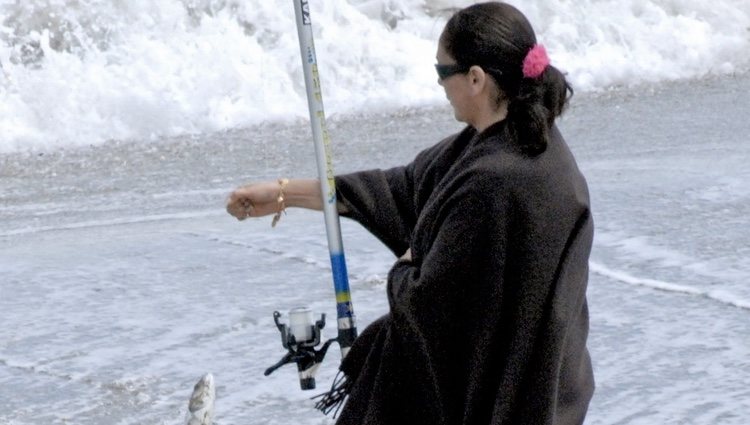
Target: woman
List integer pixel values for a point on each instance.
(488, 317)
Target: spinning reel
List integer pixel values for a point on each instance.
(300, 337)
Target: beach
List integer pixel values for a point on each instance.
(124, 280)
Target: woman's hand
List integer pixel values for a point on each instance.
(259, 199)
(254, 200)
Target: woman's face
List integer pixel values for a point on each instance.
(456, 88)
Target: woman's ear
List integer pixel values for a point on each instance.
(477, 79)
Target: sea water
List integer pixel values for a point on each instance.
(122, 280)
(81, 72)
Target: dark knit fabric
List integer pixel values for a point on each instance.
(488, 322)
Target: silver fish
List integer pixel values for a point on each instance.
(201, 405)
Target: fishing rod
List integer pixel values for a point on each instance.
(302, 334)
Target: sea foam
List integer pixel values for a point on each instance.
(80, 72)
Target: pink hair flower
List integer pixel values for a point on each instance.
(536, 62)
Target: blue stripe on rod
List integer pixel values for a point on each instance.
(341, 285)
(340, 277)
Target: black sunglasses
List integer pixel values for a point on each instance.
(446, 70)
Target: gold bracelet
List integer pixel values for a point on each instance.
(280, 199)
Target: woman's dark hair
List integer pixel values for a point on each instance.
(497, 37)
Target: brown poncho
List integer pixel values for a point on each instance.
(488, 322)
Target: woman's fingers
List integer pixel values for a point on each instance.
(239, 205)
(237, 209)
(254, 200)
